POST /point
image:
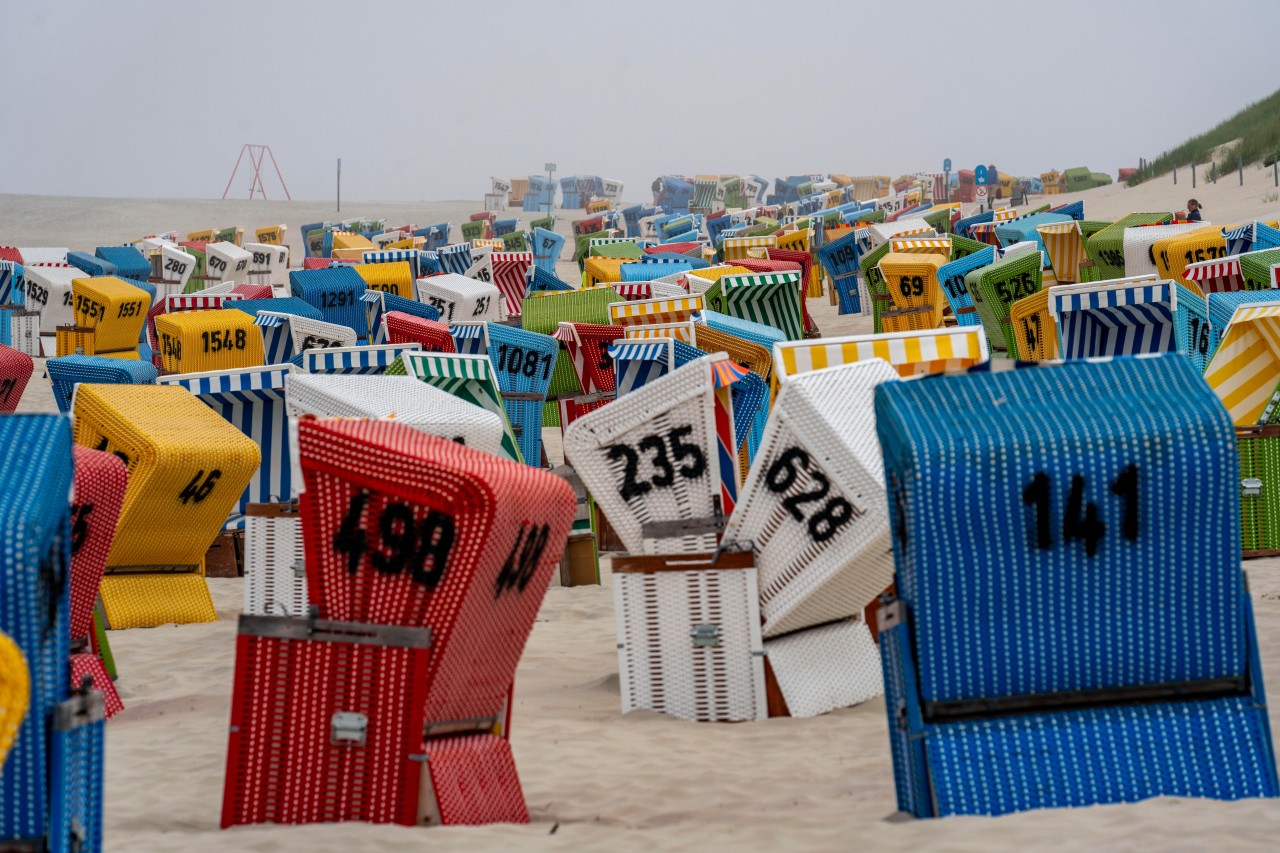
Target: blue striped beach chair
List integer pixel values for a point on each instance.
(334, 292)
(1063, 509)
(1114, 318)
(51, 780)
(963, 225)
(636, 363)
(413, 257)
(286, 336)
(68, 371)
(251, 399)
(456, 258)
(544, 280)
(377, 304)
(353, 361)
(280, 305)
(470, 338)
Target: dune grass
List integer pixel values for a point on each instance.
(1257, 127)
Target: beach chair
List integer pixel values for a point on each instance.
(394, 277)
(15, 370)
(400, 701)
(910, 353)
(1101, 712)
(334, 292)
(187, 470)
(457, 297)
(1246, 364)
(1065, 247)
(1256, 268)
(772, 299)
(429, 335)
(68, 371)
(955, 289)
(49, 291)
(251, 400)
(353, 361)
(660, 460)
(470, 378)
(639, 362)
(689, 642)
(511, 276)
(840, 258)
(197, 341)
(820, 536)
(1174, 253)
(91, 265)
(108, 315)
(1221, 307)
(914, 291)
(543, 314)
(470, 338)
(1035, 331)
(756, 357)
(175, 303)
(51, 780)
(100, 481)
(586, 358)
(226, 261)
(1220, 275)
(410, 400)
(547, 246)
(995, 288)
(378, 304)
(1139, 259)
(1191, 330)
(644, 311)
(1111, 318)
(129, 263)
(650, 268)
(525, 363)
(285, 337)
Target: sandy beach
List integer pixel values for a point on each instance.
(593, 778)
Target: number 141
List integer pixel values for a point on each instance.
(1080, 519)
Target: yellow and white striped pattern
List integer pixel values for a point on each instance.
(649, 311)
(1065, 247)
(678, 331)
(1004, 214)
(487, 243)
(922, 245)
(910, 353)
(885, 231)
(797, 241)
(1245, 369)
(703, 280)
(736, 247)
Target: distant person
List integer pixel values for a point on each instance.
(1193, 210)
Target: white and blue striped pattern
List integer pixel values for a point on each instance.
(252, 401)
(1125, 319)
(391, 256)
(470, 338)
(378, 303)
(11, 291)
(277, 338)
(360, 361)
(456, 258)
(637, 364)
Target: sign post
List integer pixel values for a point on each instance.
(551, 194)
(946, 179)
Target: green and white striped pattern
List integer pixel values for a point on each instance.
(467, 377)
(771, 298)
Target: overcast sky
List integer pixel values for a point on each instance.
(427, 100)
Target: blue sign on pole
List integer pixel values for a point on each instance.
(980, 175)
(946, 165)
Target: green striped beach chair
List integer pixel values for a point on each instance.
(771, 298)
(467, 377)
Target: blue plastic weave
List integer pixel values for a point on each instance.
(128, 261)
(510, 347)
(335, 292)
(69, 370)
(35, 559)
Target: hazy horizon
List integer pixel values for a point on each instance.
(143, 99)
